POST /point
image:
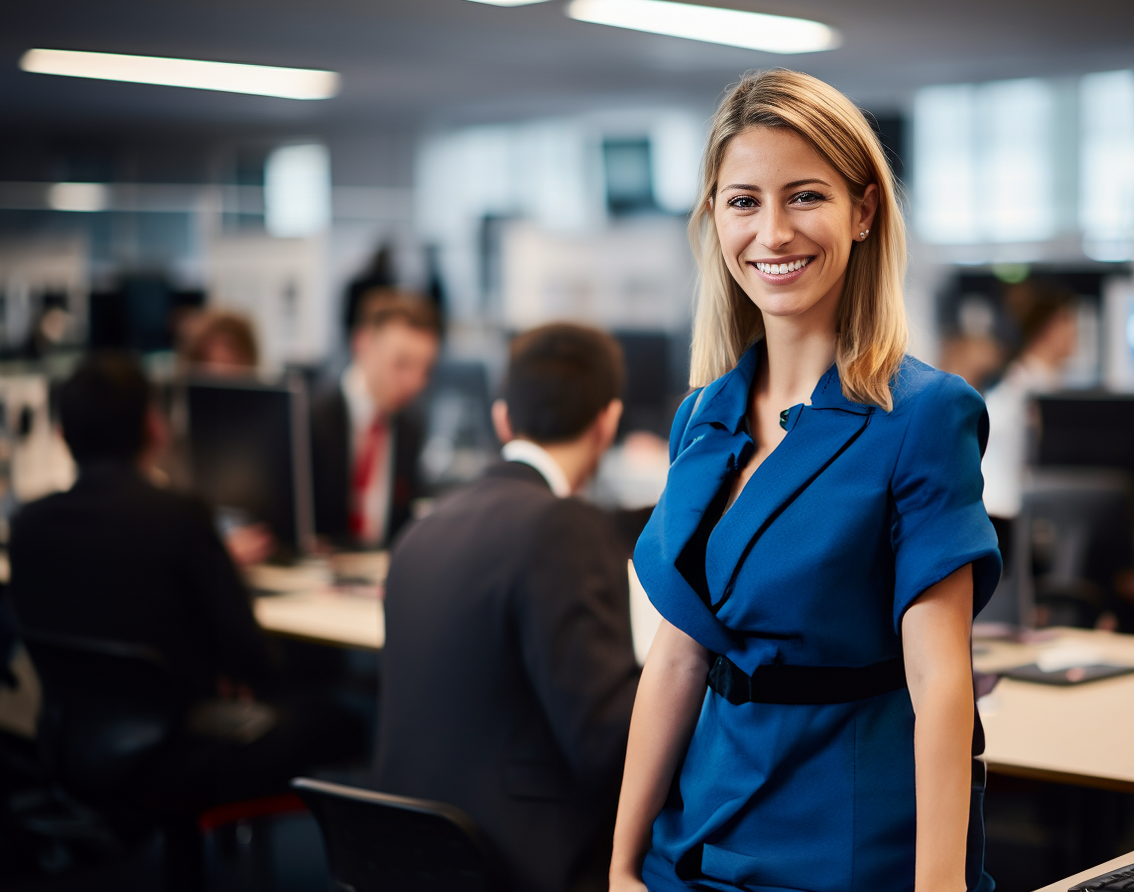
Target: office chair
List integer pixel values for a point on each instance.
(381, 843)
(109, 708)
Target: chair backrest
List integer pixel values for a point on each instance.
(376, 842)
(107, 707)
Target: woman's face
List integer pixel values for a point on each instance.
(786, 221)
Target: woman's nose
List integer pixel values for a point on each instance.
(775, 229)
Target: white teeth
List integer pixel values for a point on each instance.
(781, 269)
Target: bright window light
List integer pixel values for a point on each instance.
(297, 191)
(984, 164)
(1106, 164)
(229, 77)
(87, 197)
(732, 27)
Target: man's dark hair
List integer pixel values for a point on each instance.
(559, 378)
(382, 306)
(102, 409)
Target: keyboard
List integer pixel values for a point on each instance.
(1123, 878)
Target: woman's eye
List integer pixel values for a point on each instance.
(808, 198)
(742, 202)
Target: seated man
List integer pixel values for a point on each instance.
(364, 446)
(509, 672)
(116, 558)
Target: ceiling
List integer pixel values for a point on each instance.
(421, 63)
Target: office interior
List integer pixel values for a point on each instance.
(515, 166)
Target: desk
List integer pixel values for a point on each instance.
(1064, 885)
(336, 602)
(306, 603)
(1050, 733)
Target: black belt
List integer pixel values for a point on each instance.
(776, 683)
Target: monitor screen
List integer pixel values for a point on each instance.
(248, 455)
(1086, 430)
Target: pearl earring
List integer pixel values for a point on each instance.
(862, 235)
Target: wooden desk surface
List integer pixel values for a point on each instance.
(1064, 885)
(336, 602)
(1079, 734)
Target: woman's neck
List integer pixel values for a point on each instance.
(796, 359)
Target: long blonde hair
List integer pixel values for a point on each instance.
(872, 332)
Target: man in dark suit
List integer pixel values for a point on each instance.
(116, 558)
(365, 446)
(509, 673)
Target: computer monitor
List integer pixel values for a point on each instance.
(1093, 430)
(249, 455)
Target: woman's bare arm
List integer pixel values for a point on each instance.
(936, 639)
(669, 700)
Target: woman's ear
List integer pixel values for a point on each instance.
(866, 209)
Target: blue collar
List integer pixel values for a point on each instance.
(725, 402)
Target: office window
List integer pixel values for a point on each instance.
(984, 168)
(1106, 165)
(297, 191)
(944, 165)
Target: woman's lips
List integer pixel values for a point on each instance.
(778, 278)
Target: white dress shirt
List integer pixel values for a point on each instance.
(531, 454)
(1008, 426)
(362, 413)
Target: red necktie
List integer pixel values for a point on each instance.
(372, 447)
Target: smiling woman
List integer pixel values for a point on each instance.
(817, 566)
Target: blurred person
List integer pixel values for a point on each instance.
(1049, 335)
(218, 342)
(976, 358)
(117, 558)
(365, 445)
(508, 671)
(805, 717)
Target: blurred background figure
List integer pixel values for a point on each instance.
(976, 358)
(219, 342)
(365, 443)
(1045, 314)
(508, 628)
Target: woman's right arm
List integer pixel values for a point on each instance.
(669, 700)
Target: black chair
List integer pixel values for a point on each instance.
(108, 707)
(109, 710)
(376, 842)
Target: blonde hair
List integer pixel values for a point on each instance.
(872, 332)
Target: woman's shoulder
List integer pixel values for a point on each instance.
(920, 388)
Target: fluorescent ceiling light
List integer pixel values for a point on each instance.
(229, 77)
(88, 197)
(509, 2)
(732, 27)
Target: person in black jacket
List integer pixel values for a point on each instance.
(365, 446)
(116, 558)
(509, 672)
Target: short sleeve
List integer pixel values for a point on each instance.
(940, 523)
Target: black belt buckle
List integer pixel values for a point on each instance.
(727, 679)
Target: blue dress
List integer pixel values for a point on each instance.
(844, 524)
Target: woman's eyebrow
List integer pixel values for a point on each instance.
(794, 184)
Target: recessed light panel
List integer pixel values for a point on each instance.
(731, 27)
(228, 77)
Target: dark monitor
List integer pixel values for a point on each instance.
(249, 455)
(1086, 431)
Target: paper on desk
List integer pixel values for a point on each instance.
(1067, 655)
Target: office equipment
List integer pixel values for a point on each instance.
(1065, 677)
(249, 455)
(375, 841)
(1093, 430)
(460, 441)
(1120, 878)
